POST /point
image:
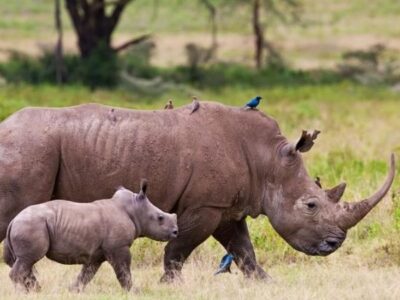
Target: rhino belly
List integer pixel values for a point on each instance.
(69, 253)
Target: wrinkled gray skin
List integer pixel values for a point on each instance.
(212, 168)
(84, 233)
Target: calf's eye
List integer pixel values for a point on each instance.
(160, 218)
(311, 205)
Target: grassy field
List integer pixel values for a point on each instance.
(359, 130)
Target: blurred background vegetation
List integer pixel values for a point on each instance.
(330, 65)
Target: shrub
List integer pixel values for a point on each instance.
(99, 70)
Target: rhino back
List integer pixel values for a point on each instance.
(204, 156)
(80, 231)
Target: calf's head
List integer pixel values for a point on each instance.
(309, 218)
(150, 221)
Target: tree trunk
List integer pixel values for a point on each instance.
(92, 25)
(214, 28)
(59, 59)
(258, 34)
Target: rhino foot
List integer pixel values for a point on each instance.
(259, 274)
(171, 277)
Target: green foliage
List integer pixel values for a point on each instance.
(99, 70)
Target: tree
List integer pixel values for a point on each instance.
(212, 10)
(58, 53)
(284, 10)
(94, 23)
(262, 13)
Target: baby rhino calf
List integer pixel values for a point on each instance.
(84, 233)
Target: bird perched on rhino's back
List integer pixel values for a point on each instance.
(225, 264)
(195, 105)
(169, 105)
(253, 103)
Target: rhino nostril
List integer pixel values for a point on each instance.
(175, 232)
(332, 243)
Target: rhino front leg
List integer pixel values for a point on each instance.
(234, 236)
(120, 260)
(85, 276)
(195, 226)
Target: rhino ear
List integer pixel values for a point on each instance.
(334, 194)
(143, 188)
(318, 182)
(306, 140)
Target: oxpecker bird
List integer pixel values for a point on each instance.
(195, 104)
(225, 264)
(169, 105)
(253, 103)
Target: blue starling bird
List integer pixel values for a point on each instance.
(253, 103)
(225, 264)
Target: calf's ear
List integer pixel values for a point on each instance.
(306, 140)
(143, 187)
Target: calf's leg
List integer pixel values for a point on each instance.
(28, 247)
(85, 276)
(195, 226)
(22, 274)
(234, 236)
(120, 260)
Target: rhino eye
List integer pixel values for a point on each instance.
(311, 205)
(160, 218)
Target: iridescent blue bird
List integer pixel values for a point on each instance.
(253, 103)
(225, 264)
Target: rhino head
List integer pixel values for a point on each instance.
(149, 220)
(311, 219)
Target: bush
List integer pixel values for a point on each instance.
(99, 70)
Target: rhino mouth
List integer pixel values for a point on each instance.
(325, 247)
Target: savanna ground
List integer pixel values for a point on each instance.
(360, 127)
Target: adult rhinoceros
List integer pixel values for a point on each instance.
(213, 168)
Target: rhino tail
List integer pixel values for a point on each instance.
(9, 255)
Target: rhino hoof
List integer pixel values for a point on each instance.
(171, 277)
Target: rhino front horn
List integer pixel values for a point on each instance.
(352, 213)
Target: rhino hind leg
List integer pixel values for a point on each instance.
(120, 260)
(234, 237)
(85, 276)
(195, 226)
(22, 275)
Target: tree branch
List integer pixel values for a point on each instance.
(72, 8)
(213, 14)
(132, 42)
(116, 14)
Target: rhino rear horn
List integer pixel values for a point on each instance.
(334, 194)
(306, 140)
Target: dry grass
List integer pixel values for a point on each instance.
(335, 278)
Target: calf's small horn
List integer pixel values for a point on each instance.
(352, 213)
